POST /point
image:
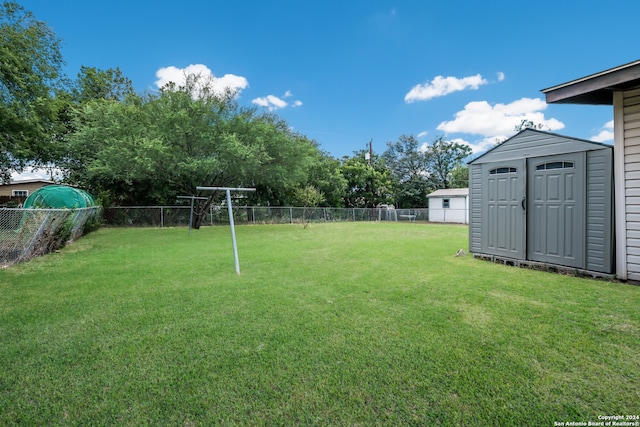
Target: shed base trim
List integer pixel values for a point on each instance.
(543, 266)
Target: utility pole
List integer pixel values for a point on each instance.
(371, 152)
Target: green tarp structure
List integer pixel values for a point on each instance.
(59, 197)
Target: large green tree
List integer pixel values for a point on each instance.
(443, 157)
(324, 174)
(94, 83)
(408, 163)
(149, 149)
(30, 75)
(369, 181)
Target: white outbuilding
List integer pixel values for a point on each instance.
(449, 205)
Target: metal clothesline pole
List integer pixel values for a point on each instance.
(231, 223)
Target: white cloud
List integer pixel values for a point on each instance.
(606, 134)
(485, 144)
(272, 102)
(220, 84)
(495, 121)
(500, 76)
(423, 134)
(37, 173)
(441, 86)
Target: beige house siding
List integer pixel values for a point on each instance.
(631, 138)
(29, 186)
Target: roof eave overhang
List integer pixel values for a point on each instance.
(595, 89)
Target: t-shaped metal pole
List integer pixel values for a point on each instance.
(229, 207)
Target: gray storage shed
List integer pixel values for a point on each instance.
(546, 198)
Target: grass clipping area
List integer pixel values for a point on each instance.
(338, 324)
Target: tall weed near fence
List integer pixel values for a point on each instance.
(26, 233)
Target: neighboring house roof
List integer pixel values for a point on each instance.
(30, 181)
(450, 192)
(595, 89)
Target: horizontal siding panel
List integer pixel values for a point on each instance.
(475, 199)
(632, 200)
(629, 167)
(632, 175)
(632, 117)
(631, 99)
(633, 226)
(632, 209)
(631, 183)
(631, 132)
(631, 113)
(633, 218)
(596, 249)
(633, 269)
(634, 260)
(631, 141)
(631, 128)
(632, 158)
(632, 92)
(633, 192)
(634, 149)
(631, 110)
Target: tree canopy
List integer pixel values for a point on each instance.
(148, 149)
(369, 182)
(443, 157)
(422, 168)
(30, 75)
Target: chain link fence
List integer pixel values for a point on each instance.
(174, 216)
(26, 233)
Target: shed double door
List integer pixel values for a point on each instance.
(556, 209)
(535, 209)
(504, 210)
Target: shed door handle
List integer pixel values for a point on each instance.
(524, 203)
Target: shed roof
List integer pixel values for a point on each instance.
(450, 192)
(536, 143)
(595, 89)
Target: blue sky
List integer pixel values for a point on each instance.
(345, 72)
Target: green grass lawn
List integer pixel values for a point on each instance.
(339, 324)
